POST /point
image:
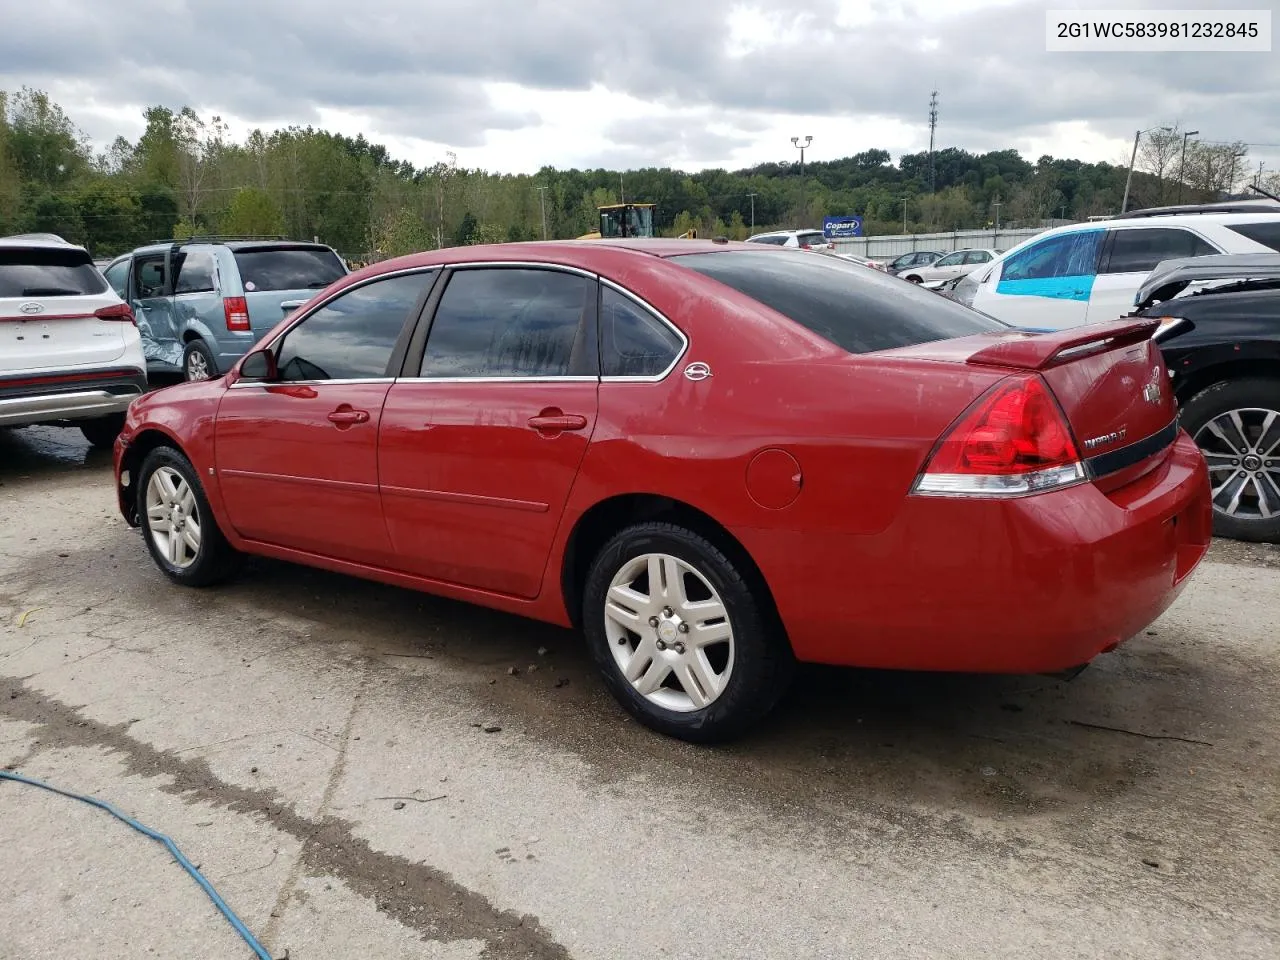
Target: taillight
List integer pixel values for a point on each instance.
(237, 313)
(1013, 440)
(117, 311)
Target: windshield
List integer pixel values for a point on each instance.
(27, 272)
(857, 309)
(303, 268)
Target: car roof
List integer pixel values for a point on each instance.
(785, 233)
(46, 240)
(243, 243)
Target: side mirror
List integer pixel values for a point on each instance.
(259, 365)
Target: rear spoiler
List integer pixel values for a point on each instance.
(1043, 350)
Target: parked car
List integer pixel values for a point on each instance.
(201, 303)
(1089, 272)
(715, 458)
(948, 268)
(1222, 347)
(804, 239)
(917, 258)
(69, 350)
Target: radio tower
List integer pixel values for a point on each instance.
(933, 126)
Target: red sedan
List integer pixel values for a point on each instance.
(715, 459)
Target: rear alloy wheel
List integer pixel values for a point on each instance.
(1236, 424)
(912, 279)
(682, 641)
(179, 528)
(197, 362)
(102, 431)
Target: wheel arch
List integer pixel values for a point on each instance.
(597, 525)
(1200, 379)
(131, 461)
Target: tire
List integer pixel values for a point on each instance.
(912, 279)
(737, 682)
(101, 432)
(196, 358)
(213, 560)
(1257, 475)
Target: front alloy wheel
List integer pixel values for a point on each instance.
(173, 518)
(177, 523)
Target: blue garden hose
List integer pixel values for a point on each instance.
(172, 847)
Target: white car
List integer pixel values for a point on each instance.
(804, 239)
(1090, 272)
(951, 267)
(70, 354)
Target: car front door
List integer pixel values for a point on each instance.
(1130, 255)
(947, 268)
(1045, 285)
(152, 304)
(481, 440)
(297, 456)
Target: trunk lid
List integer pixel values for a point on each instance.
(62, 334)
(1109, 379)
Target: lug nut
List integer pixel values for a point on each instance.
(653, 621)
(684, 627)
(679, 647)
(662, 644)
(668, 612)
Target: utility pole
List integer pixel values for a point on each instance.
(904, 214)
(1128, 181)
(1182, 164)
(1257, 181)
(753, 211)
(933, 126)
(997, 204)
(795, 142)
(542, 203)
(622, 194)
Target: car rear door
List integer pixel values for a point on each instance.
(297, 457)
(481, 440)
(1045, 285)
(1130, 254)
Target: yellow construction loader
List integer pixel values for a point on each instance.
(628, 220)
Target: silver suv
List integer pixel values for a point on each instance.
(202, 303)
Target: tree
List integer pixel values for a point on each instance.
(466, 230)
(1157, 155)
(43, 144)
(252, 212)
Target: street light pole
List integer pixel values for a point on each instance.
(1182, 164)
(997, 204)
(542, 203)
(753, 211)
(904, 215)
(795, 142)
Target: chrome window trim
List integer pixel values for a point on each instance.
(662, 318)
(497, 379)
(345, 381)
(525, 265)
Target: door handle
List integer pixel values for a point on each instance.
(345, 416)
(549, 422)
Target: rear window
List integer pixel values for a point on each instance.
(809, 239)
(857, 309)
(298, 269)
(774, 240)
(48, 273)
(1267, 234)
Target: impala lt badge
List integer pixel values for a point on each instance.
(1095, 442)
(1151, 392)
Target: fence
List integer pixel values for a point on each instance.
(881, 248)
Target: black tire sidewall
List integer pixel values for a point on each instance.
(1213, 401)
(199, 346)
(210, 563)
(101, 432)
(758, 677)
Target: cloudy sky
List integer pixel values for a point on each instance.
(513, 85)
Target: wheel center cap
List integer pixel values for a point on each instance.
(667, 631)
(1252, 462)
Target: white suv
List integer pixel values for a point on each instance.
(1090, 272)
(70, 354)
(804, 239)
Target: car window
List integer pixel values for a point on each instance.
(1267, 234)
(514, 322)
(352, 336)
(775, 241)
(1065, 255)
(40, 272)
(809, 239)
(951, 260)
(977, 256)
(302, 268)
(857, 309)
(633, 341)
(117, 275)
(150, 277)
(1139, 250)
(195, 273)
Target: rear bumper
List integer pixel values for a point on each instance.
(1037, 584)
(57, 397)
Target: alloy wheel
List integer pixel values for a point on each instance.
(669, 632)
(1242, 448)
(173, 517)
(197, 366)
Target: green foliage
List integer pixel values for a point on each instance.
(185, 175)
